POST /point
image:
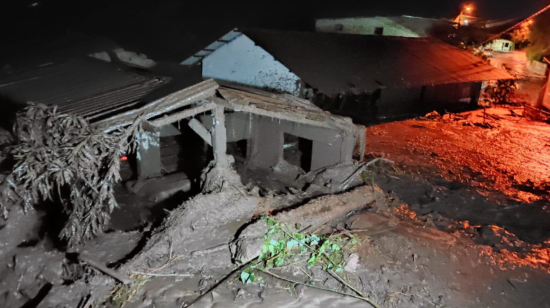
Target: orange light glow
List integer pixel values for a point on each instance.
(124, 158)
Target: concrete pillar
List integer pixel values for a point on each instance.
(348, 146)
(219, 137)
(148, 154)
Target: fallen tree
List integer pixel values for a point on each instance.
(62, 158)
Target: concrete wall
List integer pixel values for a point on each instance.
(399, 102)
(241, 61)
(363, 25)
(395, 103)
(238, 125)
(330, 147)
(450, 93)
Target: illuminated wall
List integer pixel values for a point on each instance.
(241, 61)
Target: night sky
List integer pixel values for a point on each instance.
(171, 30)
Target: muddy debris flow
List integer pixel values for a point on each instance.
(447, 212)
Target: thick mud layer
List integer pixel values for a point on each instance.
(402, 263)
(486, 175)
(510, 157)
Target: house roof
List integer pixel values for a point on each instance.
(83, 86)
(337, 63)
(207, 95)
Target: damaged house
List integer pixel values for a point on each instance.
(371, 78)
(278, 136)
(272, 138)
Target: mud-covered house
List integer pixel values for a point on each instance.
(187, 128)
(366, 77)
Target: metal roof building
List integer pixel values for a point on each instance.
(336, 63)
(309, 64)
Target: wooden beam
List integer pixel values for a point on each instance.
(182, 114)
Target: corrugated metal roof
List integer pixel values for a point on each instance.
(336, 63)
(87, 87)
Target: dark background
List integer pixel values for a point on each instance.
(171, 30)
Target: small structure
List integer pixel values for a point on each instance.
(187, 128)
(502, 45)
(263, 120)
(367, 77)
(404, 26)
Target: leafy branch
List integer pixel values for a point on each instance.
(62, 158)
(283, 247)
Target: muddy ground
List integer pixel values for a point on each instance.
(489, 174)
(459, 220)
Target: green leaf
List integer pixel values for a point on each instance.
(324, 246)
(291, 244)
(278, 261)
(250, 279)
(335, 247)
(339, 269)
(244, 276)
(270, 222)
(312, 260)
(298, 226)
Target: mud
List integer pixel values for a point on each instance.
(460, 222)
(402, 263)
(312, 216)
(513, 158)
(490, 183)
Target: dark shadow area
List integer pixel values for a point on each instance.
(297, 151)
(51, 223)
(9, 111)
(454, 200)
(39, 297)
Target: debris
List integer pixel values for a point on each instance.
(351, 263)
(368, 300)
(58, 153)
(104, 269)
(317, 212)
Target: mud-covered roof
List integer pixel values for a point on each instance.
(83, 86)
(207, 95)
(335, 63)
(281, 106)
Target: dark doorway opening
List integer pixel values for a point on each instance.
(297, 151)
(238, 150)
